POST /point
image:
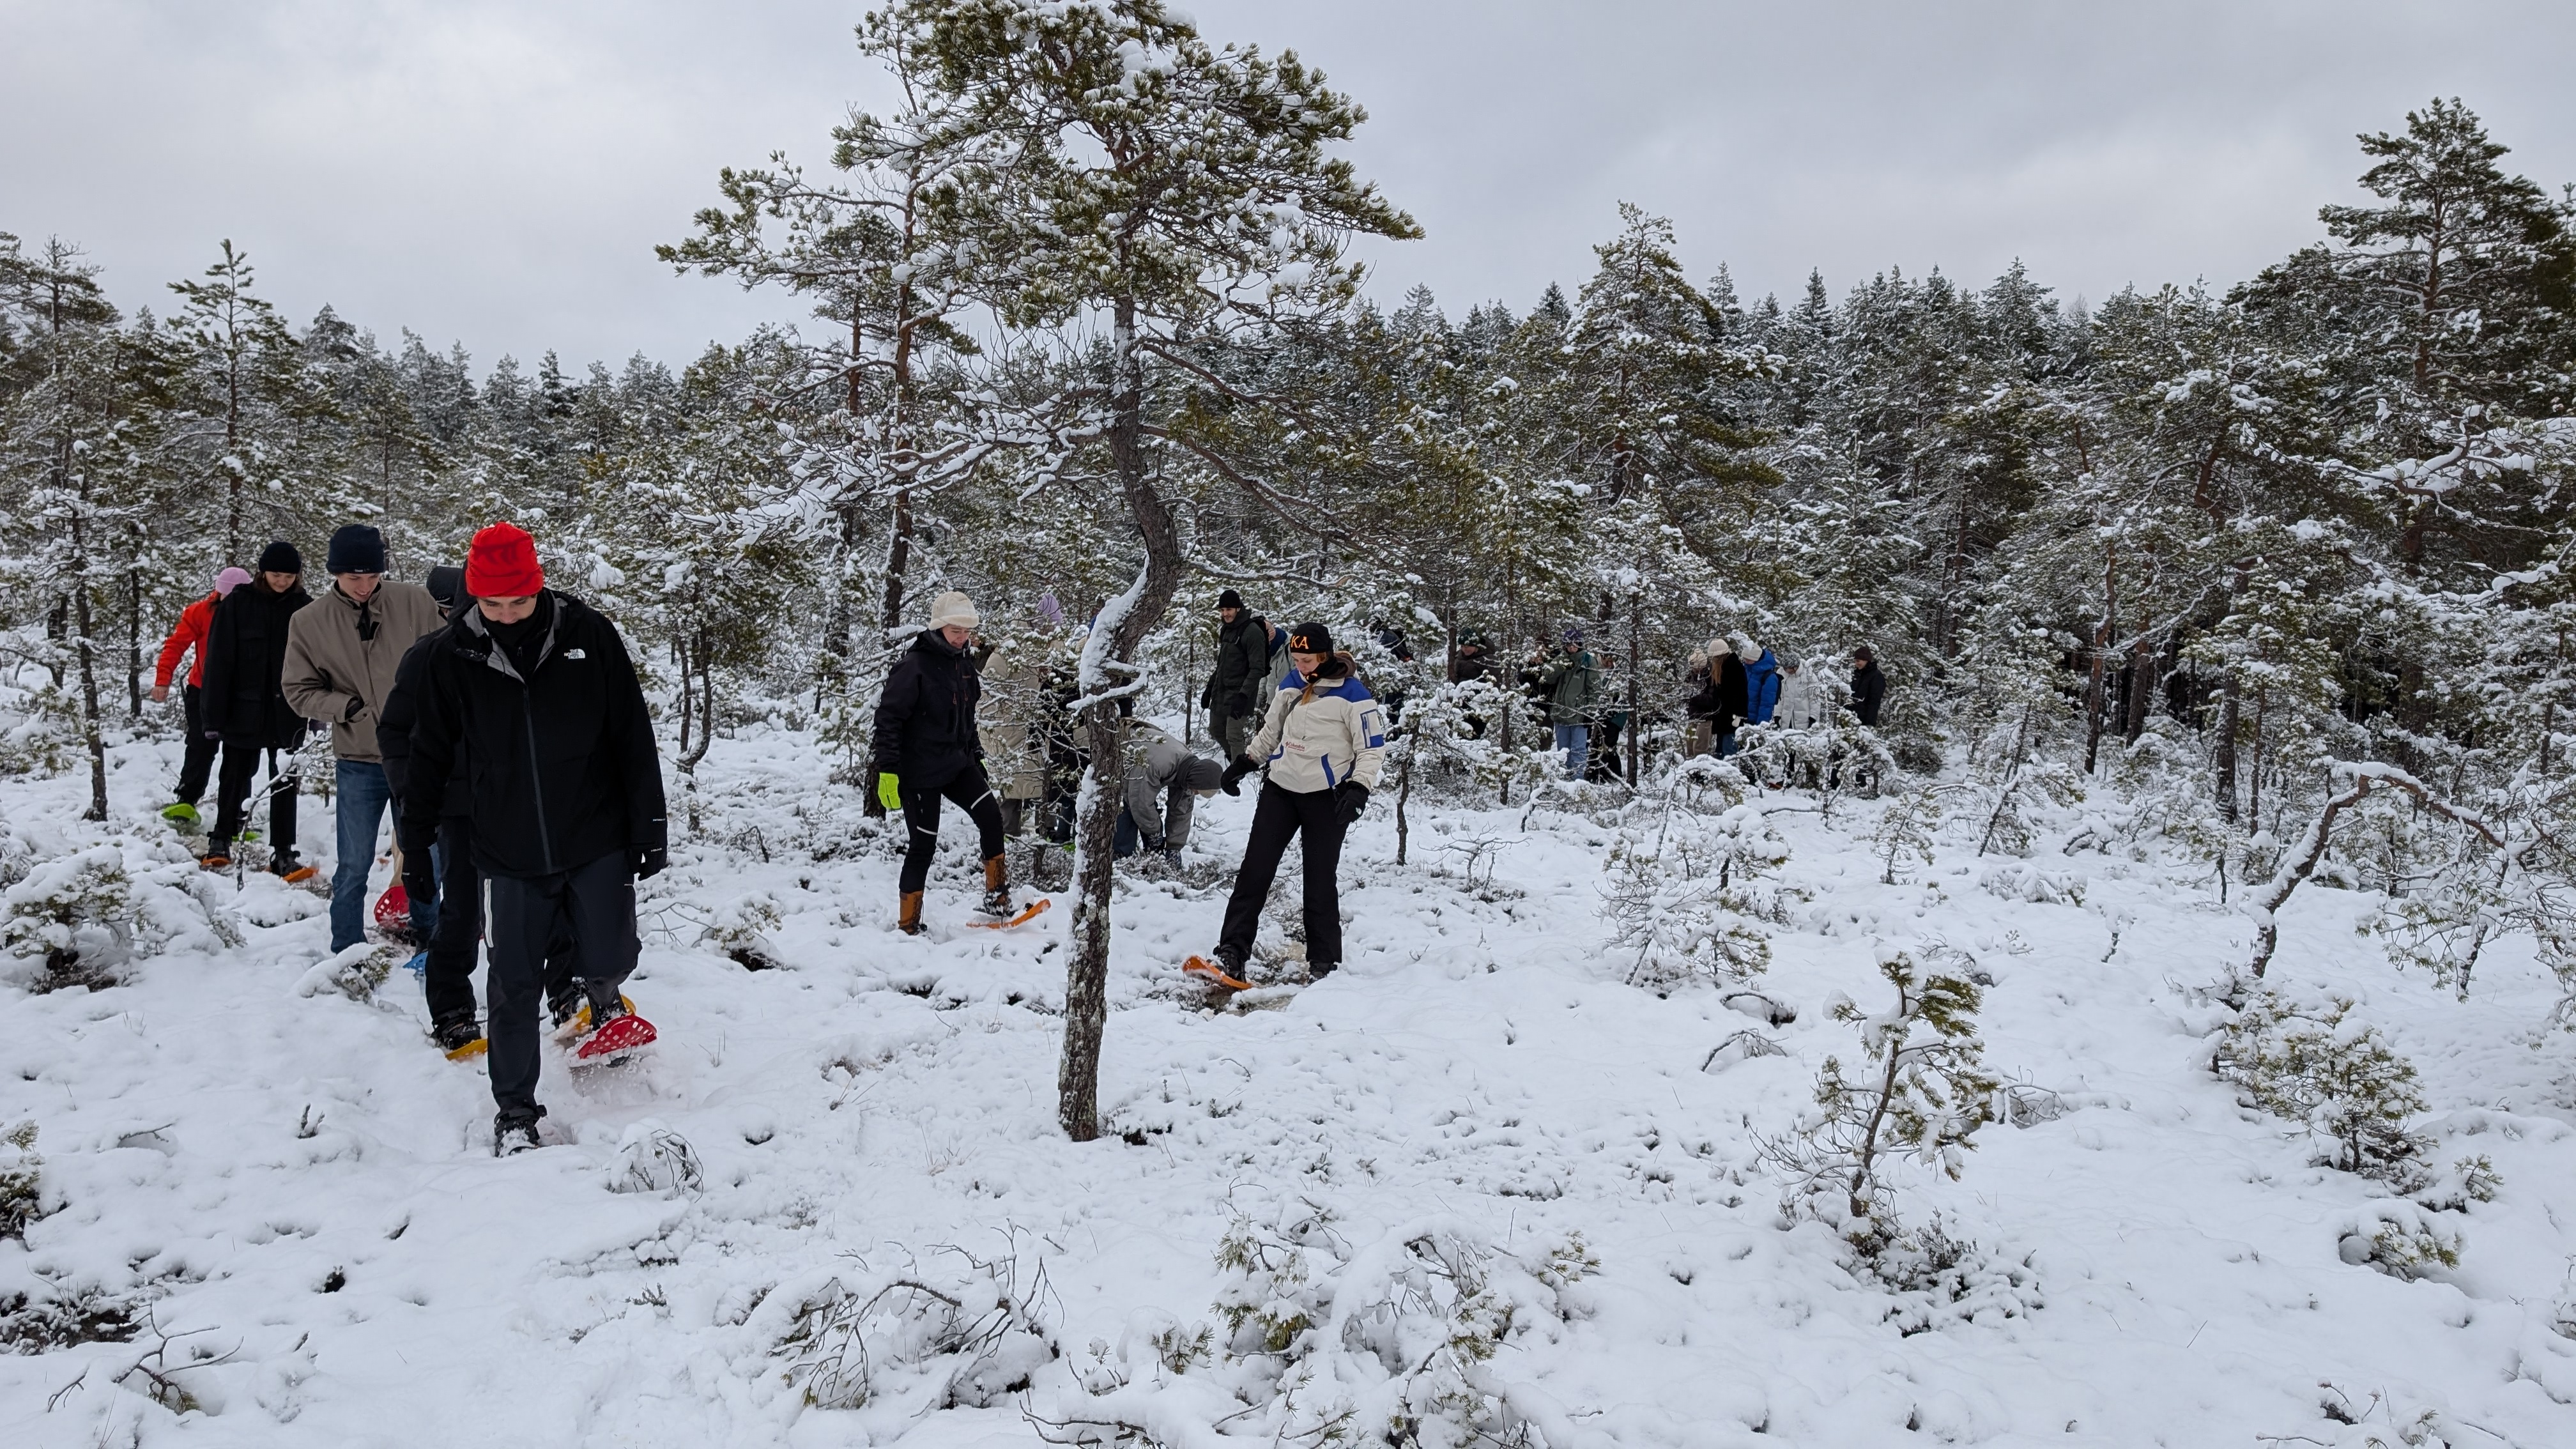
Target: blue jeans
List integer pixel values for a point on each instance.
(1127, 840)
(363, 796)
(1576, 742)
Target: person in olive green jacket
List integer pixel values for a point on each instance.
(1572, 684)
(341, 654)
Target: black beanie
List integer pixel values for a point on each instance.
(280, 557)
(1229, 600)
(1310, 639)
(356, 549)
(447, 585)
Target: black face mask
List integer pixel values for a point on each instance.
(523, 639)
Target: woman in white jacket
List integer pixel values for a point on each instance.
(1800, 706)
(1321, 742)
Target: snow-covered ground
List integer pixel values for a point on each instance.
(304, 1189)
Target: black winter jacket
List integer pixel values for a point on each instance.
(560, 765)
(925, 729)
(394, 722)
(1242, 662)
(1869, 686)
(1723, 698)
(242, 699)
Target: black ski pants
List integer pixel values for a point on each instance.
(199, 761)
(1277, 817)
(232, 797)
(447, 978)
(523, 916)
(974, 794)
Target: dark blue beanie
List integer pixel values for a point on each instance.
(357, 548)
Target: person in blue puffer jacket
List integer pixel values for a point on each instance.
(1761, 681)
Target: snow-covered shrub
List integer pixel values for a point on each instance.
(2317, 1065)
(1679, 928)
(1938, 1280)
(355, 973)
(2400, 1239)
(89, 1314)
(75, 914)
(22, 1181)
(86, 914)
(968, 1332)
(2023, 880)
(1921, 1096)
(1397, 1343)
(1904, 832)
(740, 930)
(653, 1158)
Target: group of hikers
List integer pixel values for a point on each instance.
(503, 726)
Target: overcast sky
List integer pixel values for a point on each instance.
(496, 172)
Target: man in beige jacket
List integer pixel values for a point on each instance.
(341, 653)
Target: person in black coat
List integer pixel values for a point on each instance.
(243, 703)
(926, 749)
(1723, 696)
(1869, 686)
(535, 692)
(1233, 694)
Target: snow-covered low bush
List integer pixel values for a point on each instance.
(740, 931)
(82, 916)
(1400, 1342)
(965, 1331)
(355, 973)
(2400, 1239)
(2316, 1064)
(653, 1158)
(22, 1181)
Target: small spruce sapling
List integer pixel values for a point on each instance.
(2314, 1065)
(1922, 1097)
(1904, 832)
(22, 1181)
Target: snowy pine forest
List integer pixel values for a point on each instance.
(2156, 1029)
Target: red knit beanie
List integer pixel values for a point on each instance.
(502, 564)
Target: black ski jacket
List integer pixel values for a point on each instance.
(1869, 686)
(1242, 662)
(401, 711)
(243, 699)
(925, 729)
(1724, 697)
(560, 765)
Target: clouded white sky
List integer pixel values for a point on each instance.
(496, 172)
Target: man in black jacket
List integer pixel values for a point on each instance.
(564, 794)
(1869, 686)
(1232, 697)
(243, 703)
(926, 748)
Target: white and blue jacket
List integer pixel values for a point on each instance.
(1316, 738)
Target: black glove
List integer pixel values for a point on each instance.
(1242, 706)
(1232, 783)
(1349, 799)
(650, 860)
(420, 875)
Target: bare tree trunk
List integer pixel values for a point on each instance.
(134, 644)
(1636, 665)
(2095, 688)
(1124, 622)
(2224, 749)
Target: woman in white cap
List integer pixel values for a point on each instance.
(926, 749)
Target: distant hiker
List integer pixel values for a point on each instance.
(340, 661)
(536, 694)
(244, 704)
(1609, 721)
(1801, 705)
(1473, 658)
(1869, 686)
(1233, 694)
(1007, 724)
(1723, 697)
(1761, 681)
(1159, 769)
(1322, 743)
(1570, 683)
(1391, 639)
(926, 749)
(198, 760)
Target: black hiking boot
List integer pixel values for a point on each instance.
(515, 1132)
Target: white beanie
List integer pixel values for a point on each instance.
(1748, 651)
(953, 608)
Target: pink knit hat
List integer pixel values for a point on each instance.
(231, 579)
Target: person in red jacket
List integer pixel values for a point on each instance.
(190, 634)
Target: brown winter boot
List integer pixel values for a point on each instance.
(908, 920)
(997, 887)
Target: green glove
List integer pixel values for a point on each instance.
(889, 792)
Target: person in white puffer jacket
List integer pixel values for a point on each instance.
(1323, 741)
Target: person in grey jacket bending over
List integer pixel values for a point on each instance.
(1159, 766)
(1321, 743)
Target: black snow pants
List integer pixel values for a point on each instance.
(232, 797)
(199, 761)
(974, 794)
(447, 979)
(1277, 817)
(523, 918)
